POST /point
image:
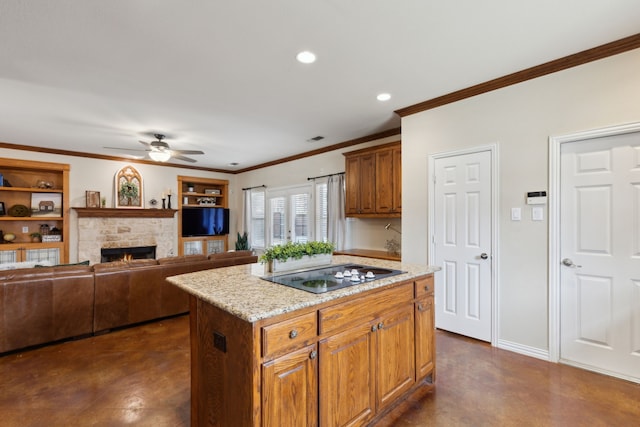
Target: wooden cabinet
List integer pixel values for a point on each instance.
(373, 178)
(395, 355)
(43, 189)
(347, 398)
(424, 330)
(379, 357)
(198, 193)
(360, 184)
(289, 390)
(52, 252)
(340, 363)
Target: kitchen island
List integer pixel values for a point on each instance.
(263, 354)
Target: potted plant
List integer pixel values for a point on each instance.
(242, 242)
(297, 255)
(36, 237)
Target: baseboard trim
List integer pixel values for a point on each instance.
(538, 353)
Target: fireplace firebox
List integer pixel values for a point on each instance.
(128, 253)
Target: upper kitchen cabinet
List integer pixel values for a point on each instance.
(374, 181)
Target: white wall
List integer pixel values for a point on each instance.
(361, 233)
(519, 119)
(98, 175)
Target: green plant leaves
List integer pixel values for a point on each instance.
(296, 251)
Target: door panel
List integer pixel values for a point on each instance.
(462, 234)
(599, 297)
(290, 215)
(346, 383)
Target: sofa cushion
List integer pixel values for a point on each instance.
(181, 259)
(231, 254)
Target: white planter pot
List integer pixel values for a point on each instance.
(299, 264)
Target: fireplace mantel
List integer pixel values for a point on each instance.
(124, 213)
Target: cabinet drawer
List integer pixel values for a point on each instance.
(424, 286)
(363, 309)
(289, 335)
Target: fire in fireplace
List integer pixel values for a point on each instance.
(127, 254)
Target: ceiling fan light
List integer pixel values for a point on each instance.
(160, 156)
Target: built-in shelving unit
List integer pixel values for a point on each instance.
(43, 188)
(196, 193)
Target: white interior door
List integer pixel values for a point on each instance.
(600, 254)
(462, 236)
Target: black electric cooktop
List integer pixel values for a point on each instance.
(330, 278)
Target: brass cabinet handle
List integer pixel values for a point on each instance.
(423, 308)
(426, 288)
(293, 334)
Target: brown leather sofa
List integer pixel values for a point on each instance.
(43, 305)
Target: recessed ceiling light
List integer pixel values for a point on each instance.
(384, 97)
(306, 57)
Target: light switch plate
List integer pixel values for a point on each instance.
(516, 214)
(537, 213)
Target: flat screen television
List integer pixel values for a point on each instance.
(205, 221)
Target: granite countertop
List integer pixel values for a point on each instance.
(240, 290)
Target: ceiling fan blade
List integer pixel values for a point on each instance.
(187, 151)
(146, 144)
(186, 159)
(124, 149)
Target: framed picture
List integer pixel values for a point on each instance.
(46, 204)
(93, 199)
(128, 188)
(2, 211)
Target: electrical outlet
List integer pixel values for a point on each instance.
(25, 229)
(220, 341)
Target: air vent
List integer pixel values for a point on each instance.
(316, 138)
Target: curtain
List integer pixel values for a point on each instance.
(253, 216)
(246, 211)
(335, 211)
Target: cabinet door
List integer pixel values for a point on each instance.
(367, 183)
(289, 390)
(425, 343)
(192, 247)
(9, 256)
(397, 179)
(347, 383)
(51, 254)
(352, 185)
(396, 354)
(384, 181)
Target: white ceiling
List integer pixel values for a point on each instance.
(221, 76)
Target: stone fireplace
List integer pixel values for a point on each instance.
(105, 228)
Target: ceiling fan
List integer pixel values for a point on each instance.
(160, 151)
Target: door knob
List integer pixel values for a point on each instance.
(569, 263)
(483, 255)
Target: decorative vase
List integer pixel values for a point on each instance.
(306, 261)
